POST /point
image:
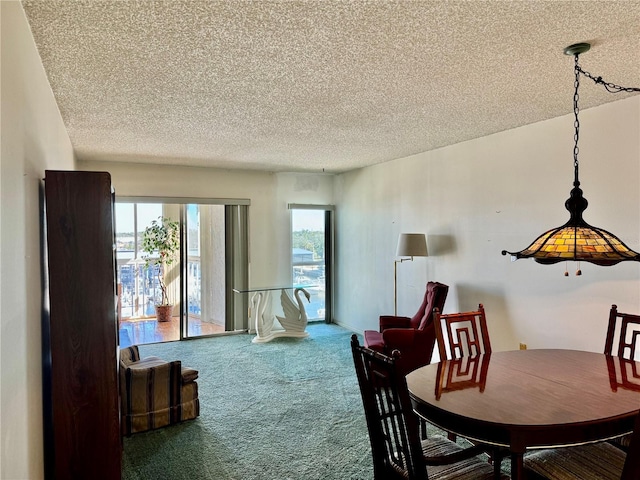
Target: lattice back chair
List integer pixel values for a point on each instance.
(463, 334)
(396, 448)
(626, 328)
(390, 430)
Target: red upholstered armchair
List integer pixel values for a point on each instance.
(414, 337)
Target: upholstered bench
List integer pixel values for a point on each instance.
(154, 392)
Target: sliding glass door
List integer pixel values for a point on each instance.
(213, 259)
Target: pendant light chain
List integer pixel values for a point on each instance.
(609, 87)
(576, 122)
(576, 137)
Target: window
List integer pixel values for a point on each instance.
(311, 259)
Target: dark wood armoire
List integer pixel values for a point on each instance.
(82, 328)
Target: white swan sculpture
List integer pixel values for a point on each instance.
(295, 316)
(261, 314)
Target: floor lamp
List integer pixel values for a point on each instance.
(409, 245)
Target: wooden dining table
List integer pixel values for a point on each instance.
(528, 399)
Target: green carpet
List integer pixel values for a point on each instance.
(285, 410)
(288, 409)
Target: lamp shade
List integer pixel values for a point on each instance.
(412, 245)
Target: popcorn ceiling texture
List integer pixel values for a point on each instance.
(318, 85)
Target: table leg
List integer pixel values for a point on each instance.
(496, 457)
(517, 466)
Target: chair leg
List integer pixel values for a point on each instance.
(423, 429)
(497, 463)
(496, 457)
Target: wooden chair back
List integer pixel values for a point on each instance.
(624, 327)
(462, 334)
(393, 427)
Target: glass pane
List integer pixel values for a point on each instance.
(205, 270)
(308, 258)
(138, 287)
(194, 276)
(148, 288)
(125, 253)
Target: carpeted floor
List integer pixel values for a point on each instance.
(288, 409)
(285, 410)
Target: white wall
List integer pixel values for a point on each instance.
(269, 220)
(482, 196)
(33, 139)
(473, 200)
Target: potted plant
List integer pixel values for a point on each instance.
(161, 243)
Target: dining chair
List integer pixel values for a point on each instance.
(396, 447)
(603, 460)
(626, 328)
(413, 336)
(463, 334)
(595, 461)
(623, 332)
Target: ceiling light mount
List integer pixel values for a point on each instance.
(577, 48)
(577, 240)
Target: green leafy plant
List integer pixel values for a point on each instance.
(161, 243)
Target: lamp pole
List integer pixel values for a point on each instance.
(395, 284)
(409, 245)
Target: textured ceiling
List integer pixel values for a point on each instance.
(318, 85)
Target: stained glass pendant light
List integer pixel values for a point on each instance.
(577, 240)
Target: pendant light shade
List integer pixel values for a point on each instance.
(577, 240)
